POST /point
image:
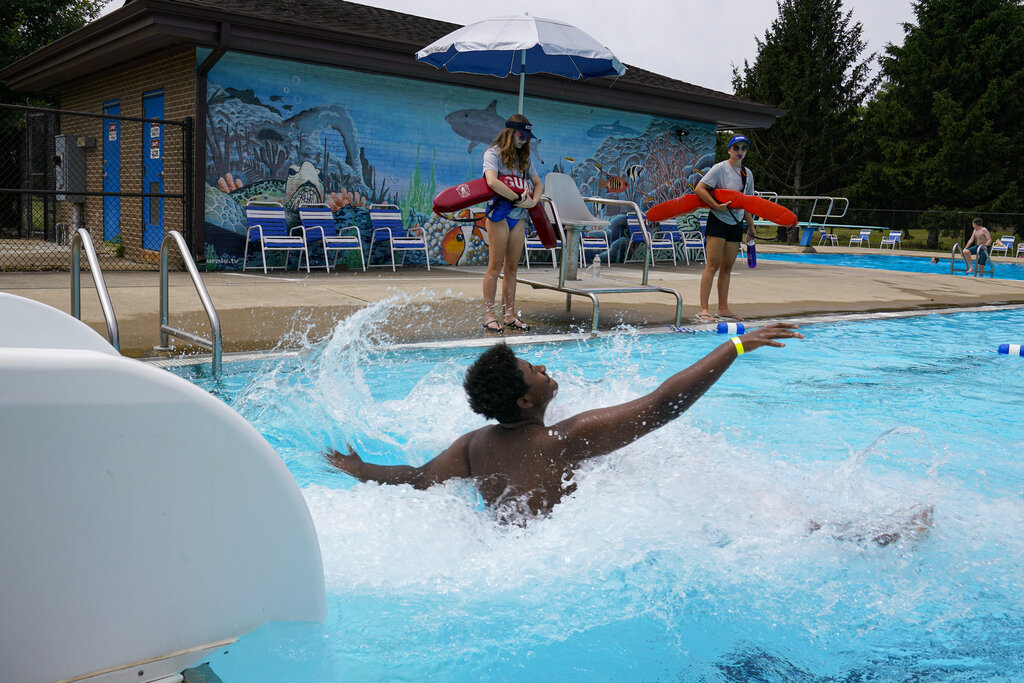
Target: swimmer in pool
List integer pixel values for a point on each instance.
(521, 464)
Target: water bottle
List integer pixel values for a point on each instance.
(595, 267)
(751, 254)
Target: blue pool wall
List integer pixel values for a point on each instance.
(292, 132)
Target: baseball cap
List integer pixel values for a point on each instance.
(737, 138)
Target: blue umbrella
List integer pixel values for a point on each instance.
(522, 45)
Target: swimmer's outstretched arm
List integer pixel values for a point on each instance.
(601, 431)
(452, 463)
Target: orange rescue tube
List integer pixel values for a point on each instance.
(760, 207)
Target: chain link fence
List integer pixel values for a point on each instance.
(921, 229)
(127, 180)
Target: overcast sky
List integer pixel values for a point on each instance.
(696, 41)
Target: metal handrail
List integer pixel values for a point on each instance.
(81, 239)
(166, 330)
(643, 225)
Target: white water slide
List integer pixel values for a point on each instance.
(143, 523)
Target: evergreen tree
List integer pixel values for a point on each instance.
(810, 64)
(949, 118)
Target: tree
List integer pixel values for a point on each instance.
(27, 25)
(810, 64)
(947, 119)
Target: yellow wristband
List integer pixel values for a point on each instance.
(739, 345)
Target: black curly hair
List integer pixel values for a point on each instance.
(493, 384)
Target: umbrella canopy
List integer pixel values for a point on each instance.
(522, 45)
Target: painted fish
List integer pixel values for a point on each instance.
(634, 172)
(613, 183)
(479, 126)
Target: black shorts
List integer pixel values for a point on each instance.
(716, 227)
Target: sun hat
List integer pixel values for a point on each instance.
(525, 128)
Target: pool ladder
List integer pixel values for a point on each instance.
(82, 240)
(990, 266)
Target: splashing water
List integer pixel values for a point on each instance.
(687, 555)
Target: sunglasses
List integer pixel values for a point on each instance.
(740, 148)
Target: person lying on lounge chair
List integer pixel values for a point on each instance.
(520, 465)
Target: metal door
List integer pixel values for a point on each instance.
(111, 172)
(153, 171)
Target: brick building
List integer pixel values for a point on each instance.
(285, 101)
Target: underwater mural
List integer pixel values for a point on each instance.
(299, 133)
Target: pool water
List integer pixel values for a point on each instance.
(884, 261)
(687, 555)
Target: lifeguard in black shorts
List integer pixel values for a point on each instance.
(725, 226)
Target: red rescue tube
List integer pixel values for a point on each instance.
(760, 207)
(476, 191)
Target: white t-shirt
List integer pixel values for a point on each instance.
(723, 176)
(492, 162)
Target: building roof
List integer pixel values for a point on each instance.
(345, 34)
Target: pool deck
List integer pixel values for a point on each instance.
(258, 311)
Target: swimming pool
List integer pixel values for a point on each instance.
(686, 556)
(906, 264)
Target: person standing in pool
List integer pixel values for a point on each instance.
(507, 218)
(521, 465)
(725, 227)
(979, 244)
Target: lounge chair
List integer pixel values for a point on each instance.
(268, 227)
(533, 243)
(594, 240)
(863, 238)
(318, 225)
(1005, 245)
(693, 242)
(639, 235)
(827, 235)
(893, 240)
(386, 220)
(1020, 250)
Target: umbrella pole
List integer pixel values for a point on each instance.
(522, 79)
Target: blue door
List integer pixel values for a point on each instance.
(153, 171)
(111, 172)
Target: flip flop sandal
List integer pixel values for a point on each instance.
(496, 329)
(703, 318)
(517, 324)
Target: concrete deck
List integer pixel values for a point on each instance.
(258, 311)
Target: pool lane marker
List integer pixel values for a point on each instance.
(1011, 349)
(721, 328)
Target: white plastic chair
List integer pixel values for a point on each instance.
(893, 240)
(863, 238)
(1020, 250)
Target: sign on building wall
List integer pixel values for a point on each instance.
(294, 133)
